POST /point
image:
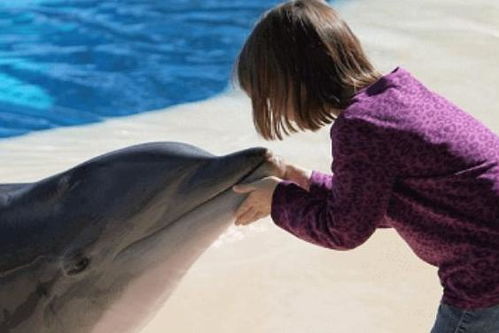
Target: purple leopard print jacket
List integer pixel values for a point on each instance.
(405, 157)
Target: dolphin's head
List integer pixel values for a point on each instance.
(114, 235)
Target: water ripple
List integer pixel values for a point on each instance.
(65, 62)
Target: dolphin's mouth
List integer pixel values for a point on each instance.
(217, 194)
(213, 197)
(245, 176)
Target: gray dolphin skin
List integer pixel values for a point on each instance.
(100, 247)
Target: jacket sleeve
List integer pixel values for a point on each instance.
(341, 211)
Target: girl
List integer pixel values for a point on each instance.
(404, 157)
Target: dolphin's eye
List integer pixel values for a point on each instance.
(79, 265)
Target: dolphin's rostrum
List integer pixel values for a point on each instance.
(98, 248)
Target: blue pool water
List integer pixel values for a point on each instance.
(79, 61)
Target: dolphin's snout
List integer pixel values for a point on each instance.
(248, 159)
(255, 164)
(258, 154)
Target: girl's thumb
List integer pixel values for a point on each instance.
(243, 188)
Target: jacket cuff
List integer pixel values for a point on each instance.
(283, 195)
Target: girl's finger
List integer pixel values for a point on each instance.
(240, 215)
(243, 208)
(248, 217)
(243, 188)
(248, 187)
(243, 219)
(260, 216)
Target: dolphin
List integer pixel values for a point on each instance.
(100, 247)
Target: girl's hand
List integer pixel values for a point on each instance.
(258, 203)
(278, 165)
(284, 170)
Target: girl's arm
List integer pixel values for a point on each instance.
(299, 175)
(342, 210)
(284, 170)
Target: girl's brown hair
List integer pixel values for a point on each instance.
(300, 63)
